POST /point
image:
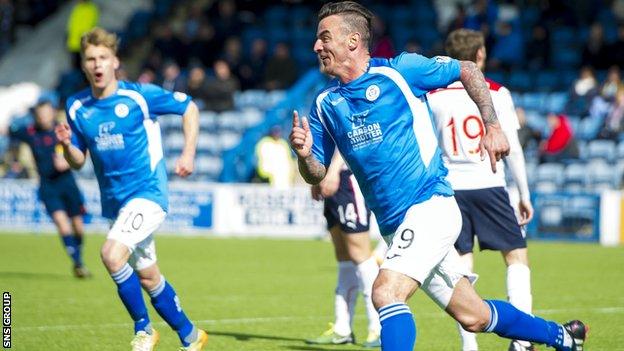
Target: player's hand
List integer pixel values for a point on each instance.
(185, 165)
(301, 136)
(329, 185)
(63, 133)
(494, 143)
(315, 190)
(526, 212)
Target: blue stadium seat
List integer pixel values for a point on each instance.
(534, 101)
(601, 149)
(276, 16)
(550, 172)
(545, 186)
(575, 174)
(563, 36)
(138, 26)
(601, 175)
(565, 57)
(520, 80)
(546, 81)
(589, 128)
(556, 102)
(620, 150)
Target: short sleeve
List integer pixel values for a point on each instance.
(506, 112)
(323, 146)
(162, 102)
(77, 138)
(425, 74)
(18, 133)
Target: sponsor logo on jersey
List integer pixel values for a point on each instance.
(106, 140)
(443, 59)
(362, 133)
(337, 101)
(372, 92)
(121, 110)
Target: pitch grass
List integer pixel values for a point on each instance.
(261, 294)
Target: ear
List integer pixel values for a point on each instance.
(116, 63)
(354, 40)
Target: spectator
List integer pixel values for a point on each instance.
(538, 48)
(6, 25)
(381, 43)
(83, 17)
(612, 84)
(459, 21)
(560, 144)
(275, 162)
(526, 134)
(219, 92)
(508, 51)
(147, 76)
(595, 50)
(413, 47)
(281, 70)
(168, 45)
(583, 91)
(205, 46)
(172, 78)
(233, 53)
(196, 86)
(614, 122)
(225, 19)
(252, 69)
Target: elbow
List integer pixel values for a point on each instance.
(468, 70)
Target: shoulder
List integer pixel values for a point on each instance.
(494, 86)
(76, 101)
(331, 86)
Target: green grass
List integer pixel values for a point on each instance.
(261, 294)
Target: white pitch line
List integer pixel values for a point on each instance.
(603, 310)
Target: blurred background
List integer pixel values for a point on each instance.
(248, 64)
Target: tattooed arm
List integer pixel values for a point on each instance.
(310, 168)
(494, 142)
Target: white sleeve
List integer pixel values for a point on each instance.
(516, 164)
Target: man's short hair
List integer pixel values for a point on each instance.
(463, 44)
(356, 17)
(98, 36)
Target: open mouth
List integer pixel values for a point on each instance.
(98, 75)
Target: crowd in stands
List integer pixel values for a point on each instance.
(561, 59)
(26, 13)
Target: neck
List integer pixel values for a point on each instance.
(358, 68)
(107, 91)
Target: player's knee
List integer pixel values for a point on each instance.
(474, 323)
(150, 282)
(112, 260)
(384, 295)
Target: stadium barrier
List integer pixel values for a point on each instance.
(217, 209)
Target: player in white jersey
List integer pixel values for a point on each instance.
(376, 114)
(115, 121)
(348, 222)
(480, 194)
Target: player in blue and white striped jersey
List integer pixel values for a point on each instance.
(116, 122)
(376, 113)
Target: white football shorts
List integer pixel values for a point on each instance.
(134, 227)
(423, 248)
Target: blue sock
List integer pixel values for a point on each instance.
(78, 241)
(167, 304)
(509, 322)
(129, 289)
(71, 248)
(398, 330)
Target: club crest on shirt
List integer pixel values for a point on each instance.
(372, 92)
(121, 110)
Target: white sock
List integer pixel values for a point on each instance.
(367, 273)
(519, 289)
(346, 295)
(469, 340)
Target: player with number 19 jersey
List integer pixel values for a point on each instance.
(383, 128)
(125, 145)
(460, 130)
